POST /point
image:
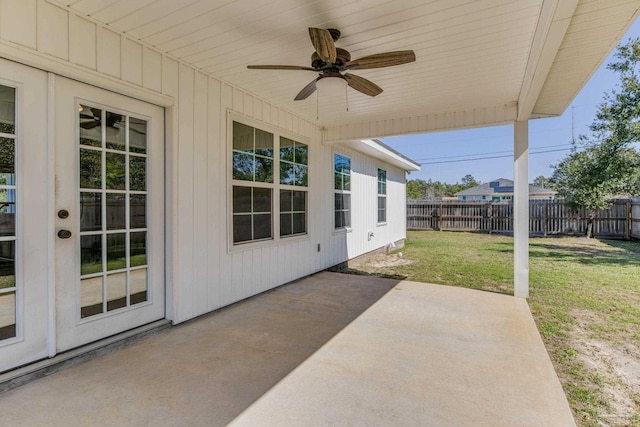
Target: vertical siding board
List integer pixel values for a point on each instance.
(257, 109)
(201, 182)
(247, 105)
(265, 277)
(226, 266)
(237, 274)
(151, 69)
(281, 272)
(18, 22)
(82, 42)
(246, 274)
(131, 61)
(109, 52)
(216, 238)
(238, 101)
(185, 199)
(258, 272)
(53, 30)
(170, 88)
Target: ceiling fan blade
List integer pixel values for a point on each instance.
(279, 67)
(380, 60)
(307, 90)
(323, 44)
(362, 85)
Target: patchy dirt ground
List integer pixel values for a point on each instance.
(618, 368)
(380, 265)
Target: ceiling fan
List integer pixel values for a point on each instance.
(330, 61)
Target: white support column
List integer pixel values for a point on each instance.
(521, 208)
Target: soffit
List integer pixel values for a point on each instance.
(594, 32)
(472, 55)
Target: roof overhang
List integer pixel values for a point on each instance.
(378, 150)
(479, 63)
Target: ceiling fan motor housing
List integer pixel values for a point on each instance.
(342, 57)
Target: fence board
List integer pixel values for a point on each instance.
(546, 217)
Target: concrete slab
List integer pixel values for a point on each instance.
(424, 355)
(331, 349)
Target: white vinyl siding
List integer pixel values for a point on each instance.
(203, 274)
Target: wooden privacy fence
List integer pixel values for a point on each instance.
(546, 217)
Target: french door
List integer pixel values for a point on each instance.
(109, 206)
(25, 243)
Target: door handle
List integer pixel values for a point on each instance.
(64, 234)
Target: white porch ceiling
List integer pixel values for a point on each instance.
(487, 59)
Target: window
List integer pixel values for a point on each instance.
(8, 286)
(113, 194)
(251, 213)
(382, 195)
(294, 172)
(258, 197)
(293, 212)
(342, 191)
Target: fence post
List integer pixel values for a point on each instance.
(629, 221)
(545, 216)
(440, 217)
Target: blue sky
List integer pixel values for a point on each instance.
(448, 154)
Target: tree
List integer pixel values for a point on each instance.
(543, 182)
(469, 181)
(606, 163)
(416, 189)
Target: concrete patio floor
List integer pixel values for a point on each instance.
(330, 349)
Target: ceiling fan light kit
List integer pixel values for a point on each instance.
(330, 61)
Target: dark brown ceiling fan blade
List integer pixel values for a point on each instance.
(307, 90)
(279, 67)
(380, 60)
(323, 44)
(362, 85)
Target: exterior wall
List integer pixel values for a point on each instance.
(492, 197)
(202, 274)
(364, 199)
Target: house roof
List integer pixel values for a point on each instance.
(479, 63)
(489, 188)
(379, 150)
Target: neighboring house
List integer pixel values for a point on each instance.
(148, 175)
(501, 189)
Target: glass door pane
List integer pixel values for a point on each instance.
(8, 189)
(113, 212)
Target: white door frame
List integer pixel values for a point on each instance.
(32, 250)
(72, 330)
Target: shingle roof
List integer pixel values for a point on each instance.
(488, 189)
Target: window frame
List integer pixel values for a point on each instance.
(275, 186)
(349, 192)
(380, 196)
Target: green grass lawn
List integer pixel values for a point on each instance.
(585, 298)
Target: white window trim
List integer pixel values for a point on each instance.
(348, 228)
(386, 196)
(277, 132)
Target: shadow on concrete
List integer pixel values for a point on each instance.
(204, 372)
